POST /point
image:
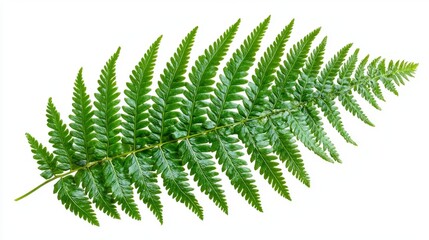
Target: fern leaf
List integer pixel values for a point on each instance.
(195, 122)
(107, 119)
(361, 86)
(315, 61)
(372, 70)
(333, 115)
(195, 153)
(289, 71)
(256, 142)
(232, 81)
(163, 118)
(82, 125)
(346, 71)
(175, 179)
(387, 82)
(284, 146)
(164, 114)
(59, 137)
(45, 159)
(107, 123)
(325, 85)
(304, 92)
(316, 127)
(346, 97)
(228, 152)
(221, 112)
(351, 105)
(201, 81)
(74, 199)
(253, 137)
(140, 169)
(122, 191)
(257, 92)
(299, 127)
(304, 87)
(93, 183)
(135, 119)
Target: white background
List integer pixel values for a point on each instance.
(379, 192)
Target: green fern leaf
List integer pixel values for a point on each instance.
(296, 120)
(59, 137)
(315, 124)
(82, 125)
(175, 179)
(107, 130)
(374, 83)
(232, 81)
(107, 119)
(92, 181)
(196, 153)
(193, 122)
(325, 85)
(346, 97)
(140, 168)
(257, 144)
(256, 102)
(254, 137)
(163, 118)
(289, 71)
(75, 199)
(284, 145)
(119, 184)
(45, 159)
(361, 86)
(229, 155)
(221, 113)
(135, 119)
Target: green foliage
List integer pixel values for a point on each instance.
(193, 125)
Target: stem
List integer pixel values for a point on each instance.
(43, 184)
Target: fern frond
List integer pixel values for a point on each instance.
(107, 123)
(346, 97)
(361, 86)
(199, 123)
(82, 125)
(60, 138)
(232, 81)
(196, 153)
(163, 120)
(257, 144)
(325, 85)
(175, 179)
(74, 198)
(256, 102)
(296, 120)
(289, 71)
(92, 181)
(284, 145)
(45, 159)
(107, 119)
(135, 117)
(134, 135)
(228, 152)
(119, 184)
(140, 168)
(221, 112)
(315, 124)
